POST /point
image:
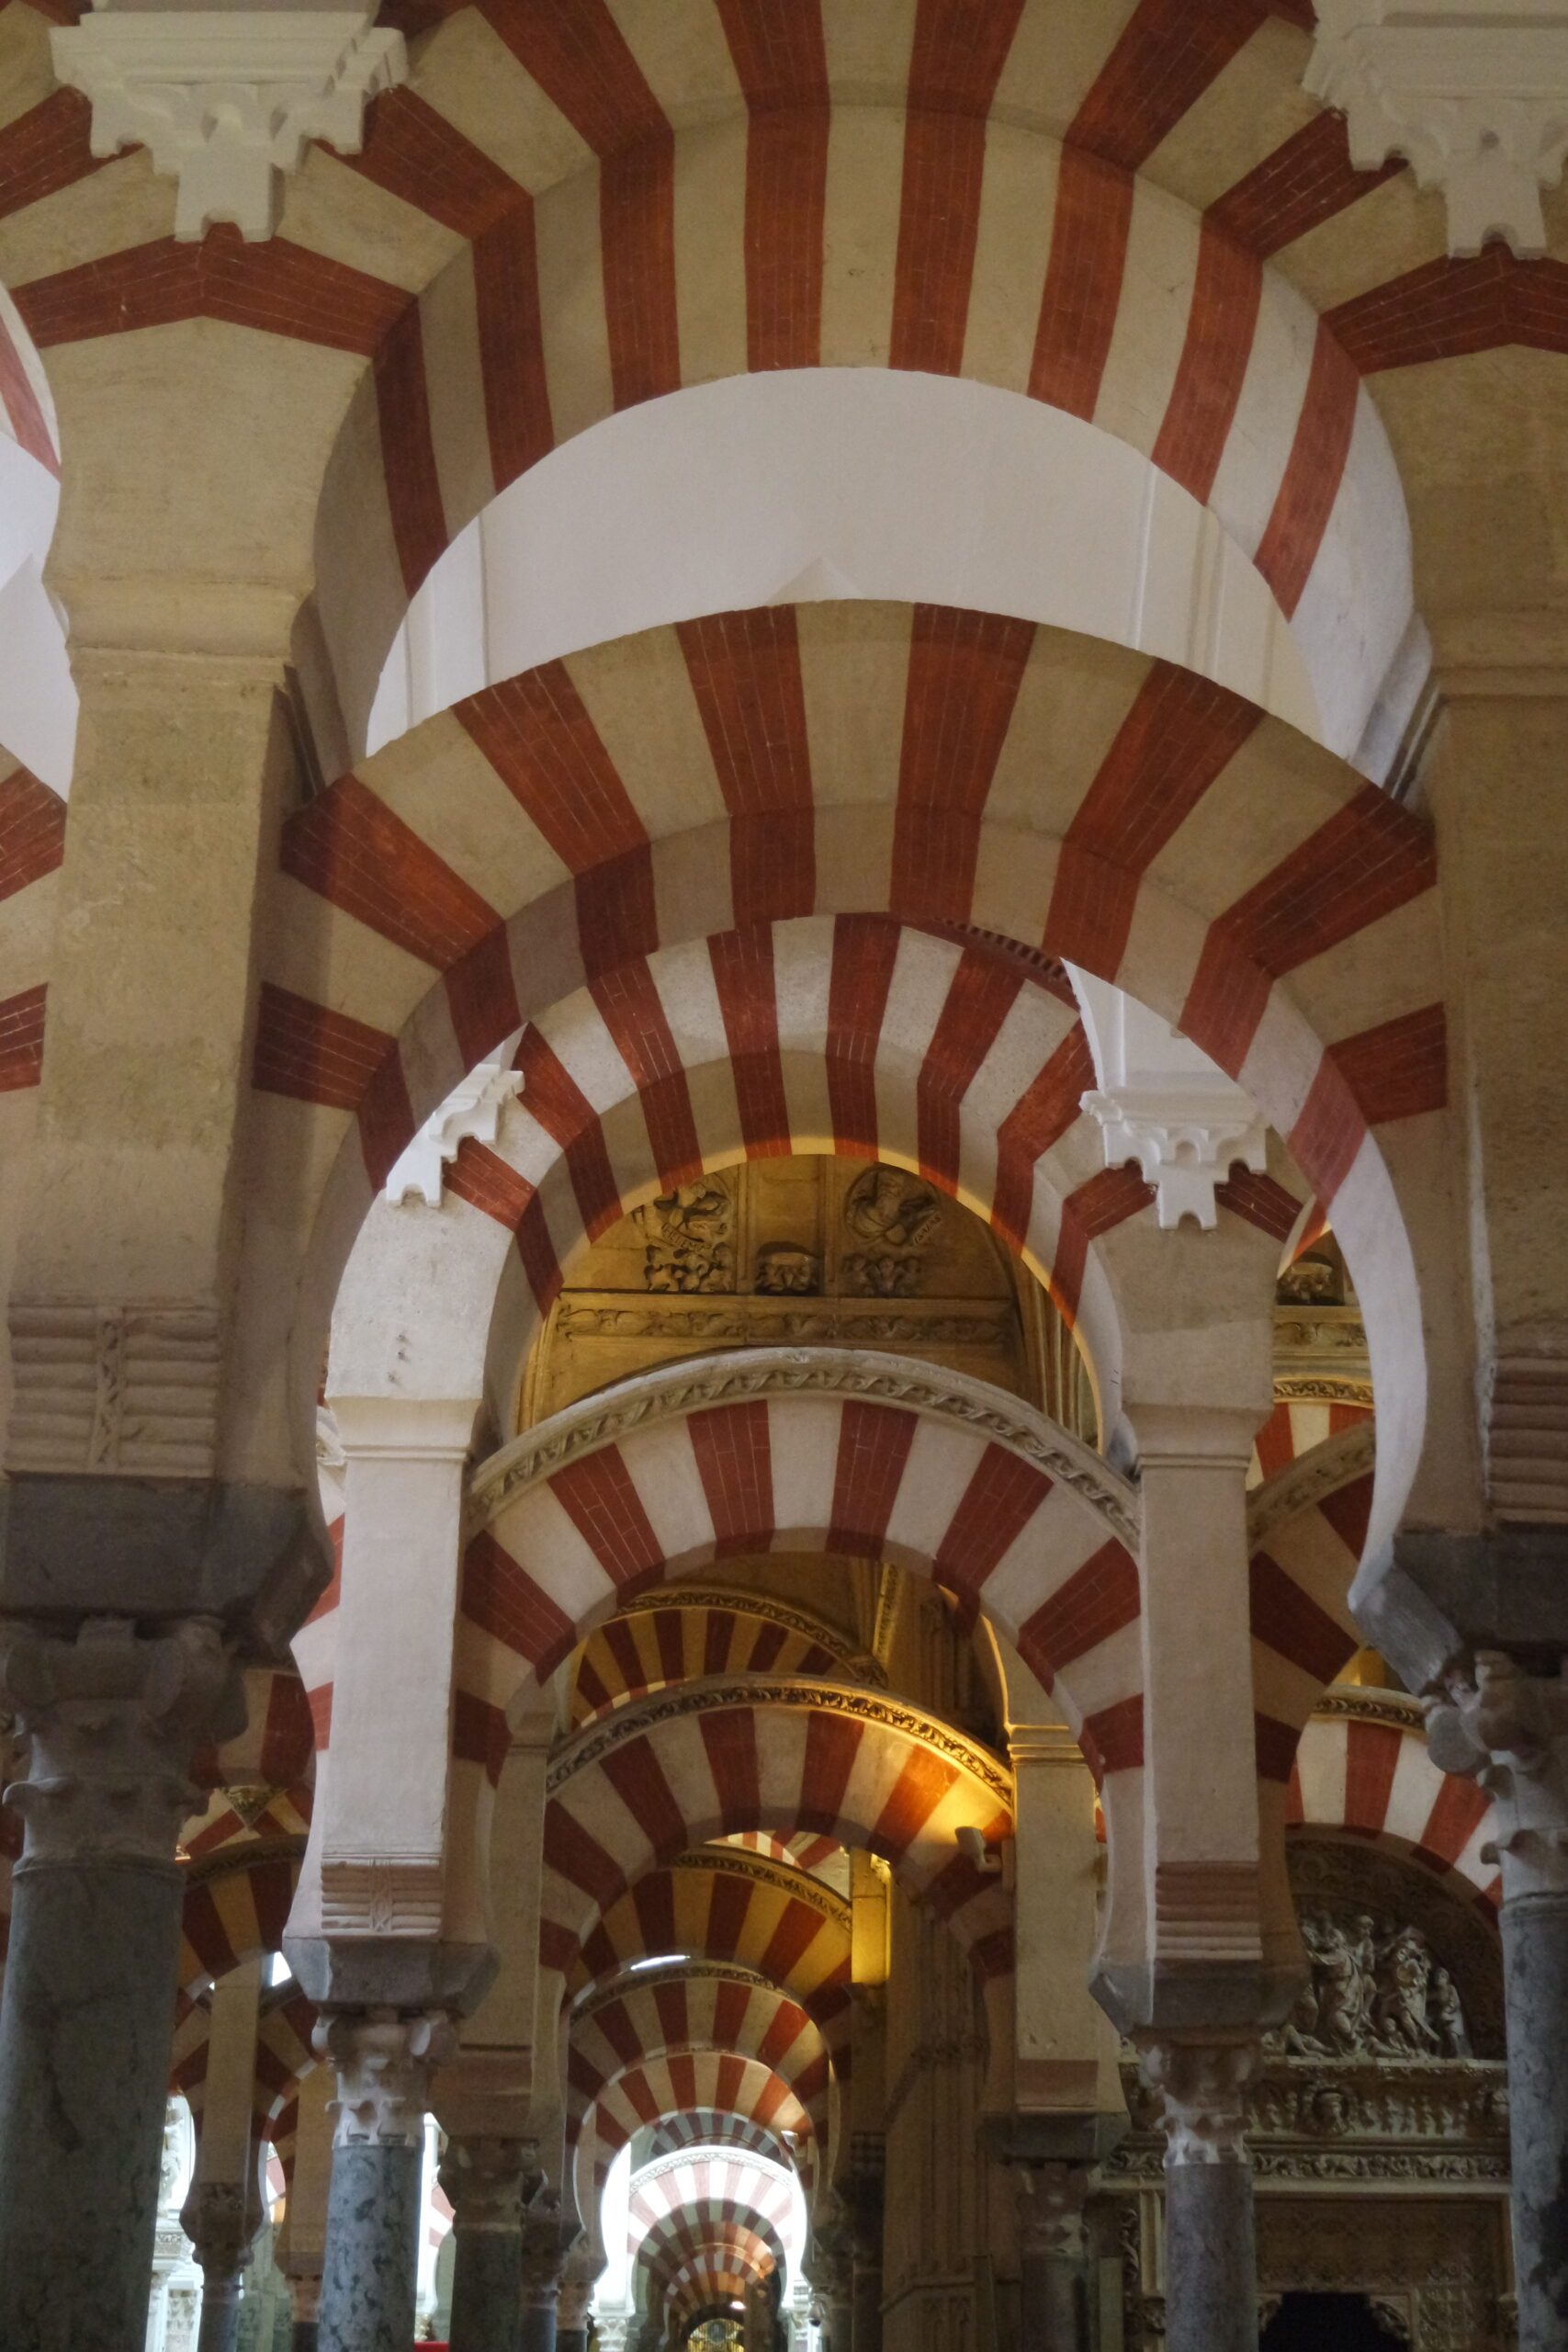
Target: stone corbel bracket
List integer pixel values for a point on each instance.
(226, 98)
(1472, 93)
(1184, 1143)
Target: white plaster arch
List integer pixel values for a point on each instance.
(38, 694)
(800, 484)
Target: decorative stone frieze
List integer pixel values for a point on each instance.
(689, 1236)
(226, 98)
(597, 1739)
(1202, 2088)
(107, 1723)
(1508, 1730)
(678, 1389)
(384, 2065)
(1377, 1989)
(481, 2177)
(1474, 93)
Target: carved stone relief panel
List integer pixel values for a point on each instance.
(1434, 2263)
(804, 1251)
(1400, 1967)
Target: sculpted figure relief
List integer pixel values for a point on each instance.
(688, 1233)
(1377, 1990)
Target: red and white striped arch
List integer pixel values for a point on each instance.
(647, 2092)
(949, 1055)
(941, 767)
(667, 1773)
(236, 1911)
(1368, 1775)
(679, 2014)
(708, 2189)
(643, 1649)
(800, 1449)
(907, 195)
(715, 1909)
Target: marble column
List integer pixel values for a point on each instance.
(482, 2176)
(1054, 2305)
(1210, 2255)
(1508, 1729)
(545, 2244)
(384, 2065)
(107, 1720)
(571, 2314)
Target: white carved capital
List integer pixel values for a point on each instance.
(226, 98)
(473, 1108)
(1474, 93)
(1203, 2088)
(1184, 1142)
(222, 2218)
(384, 2065)
(1508, 1730)
(107, 1723)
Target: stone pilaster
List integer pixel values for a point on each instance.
(106, 1722)
(1508, 1730)
(482, 2173)
(1211, 2301)
(305, 2304)
(1054, 2305)
(384, 2065)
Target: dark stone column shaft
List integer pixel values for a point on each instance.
(372, 2264)
(572, 2339)
(220, 2315)
(1535, 1961)
(85, 2027)
(1053, 2304)
(1210, 2257)
(306, 2335)
(487, 2290)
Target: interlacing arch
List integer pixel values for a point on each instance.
(806, 198)
(662, 1775)
(720, 1908)
(939, 767)
(690, 2009)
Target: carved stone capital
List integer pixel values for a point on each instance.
(220, 2221)
(1473, 92)
(572, 2306)
(1184, 1143)
(546, 2242)
(227, 97)
(384, 2065)
(1202, 2088)
(482, 2177)
(1508, 1730)
(107, 1724)
(1049, 2211)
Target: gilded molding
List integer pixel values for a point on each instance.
(706, 1697)
(672, 1392)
